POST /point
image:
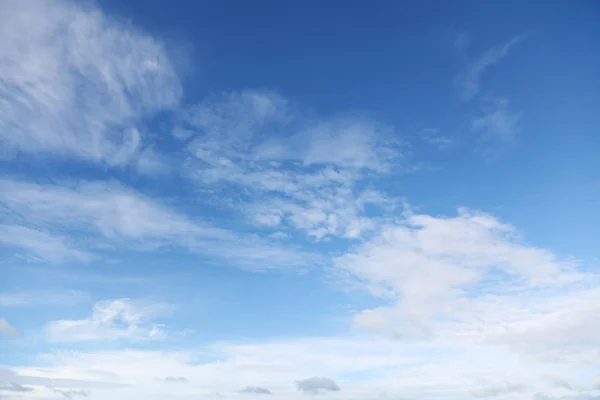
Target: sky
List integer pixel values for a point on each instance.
(350, 200)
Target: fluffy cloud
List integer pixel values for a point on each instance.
(471, 276)
(74, 82)
(427, 260)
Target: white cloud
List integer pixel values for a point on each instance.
(113, 216)
(6, 328)
(362, 367)
(74, 82)
(470, 276)
(111, 320)
(309, 175)
(49, 247)
(469, 81)
(436, 139)
(350, 144)
(262, 126)
(106, 208)
(41, 297)
(561, 330)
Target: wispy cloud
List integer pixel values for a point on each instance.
(74, 82)
(497, 123)
(435, 138)
(41, 297)
(310, 176)
(6, 328)
(53, 248)
(111, 320)
(112, 216)
(497, 126)
(469, 81)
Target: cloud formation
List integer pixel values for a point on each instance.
(70, 393)
(15, 387)
(111, 320)
(316, 383)
(75, 82)
(466, 276)
(6, 328)
(309, 175)
(256, 390)
(469, 81)
(44, 217)
(496, 126)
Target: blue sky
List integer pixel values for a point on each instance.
(344, 200)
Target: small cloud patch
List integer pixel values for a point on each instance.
(315, 384)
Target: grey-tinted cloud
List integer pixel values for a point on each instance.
(15, 387)
(316, 383)
(256, 390)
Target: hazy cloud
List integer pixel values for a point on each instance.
(469, 81)
(6, 328)
(256, 390)
(176, 379)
